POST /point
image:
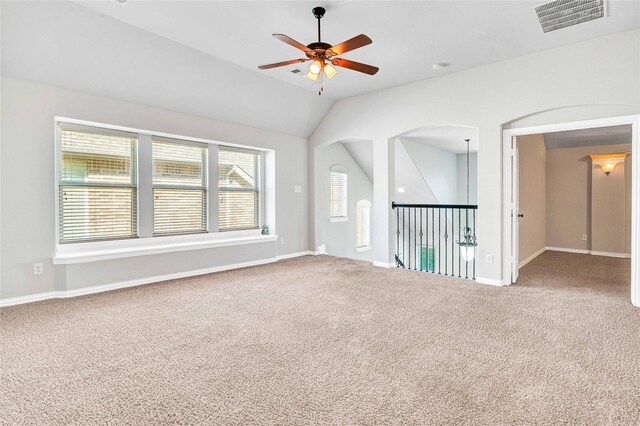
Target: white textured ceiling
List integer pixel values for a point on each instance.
(610, 135)
(408, 36)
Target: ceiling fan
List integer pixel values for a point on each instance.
(324, 55)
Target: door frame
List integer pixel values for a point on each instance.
(508, 205)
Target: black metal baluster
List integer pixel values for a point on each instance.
(415, 238)
(397, 237)
(475, 254)
(453, 243)
(466, 224)
(404, 261)
(409, 242)
(446, 240)
(433, 238)
(421, 265)
(439, 240)
(459, 210)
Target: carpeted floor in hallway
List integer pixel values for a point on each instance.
(322, 340)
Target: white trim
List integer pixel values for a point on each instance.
(338, 219)
(383, 264)
(569, 250)
(489, 281)
(154, 133)
(125, 284)
(508, 134)
(533, 256)
(593, 253)
(608, 254)
(363, 249)
(298, 254)
(74, 253)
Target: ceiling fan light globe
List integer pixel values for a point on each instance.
(311, 76)
(315, 67)
(330, 70)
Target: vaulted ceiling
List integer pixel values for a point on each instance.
(201, 57)
(408, 36)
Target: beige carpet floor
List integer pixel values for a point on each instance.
(321, 340)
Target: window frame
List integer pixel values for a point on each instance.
(259, 189)
(204, 187)
(146, 243)
(345, 201)
(76, 125)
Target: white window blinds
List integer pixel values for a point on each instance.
(179, 187)
(97, 186)
(238, 189)
(338, 189)
(363, 224)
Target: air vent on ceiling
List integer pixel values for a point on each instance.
(297, 71)
(565, 13)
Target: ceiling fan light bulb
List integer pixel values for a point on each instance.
(315, 67)
(312, 76)
(330, 70)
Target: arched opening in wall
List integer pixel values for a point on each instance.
(435, 200)
(343, 178)
(569, 205)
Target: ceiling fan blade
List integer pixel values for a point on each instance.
(351, 44)
(356, 66)
(292, 42)
(282, 64)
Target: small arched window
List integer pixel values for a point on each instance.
(363, 225)
(338, 189)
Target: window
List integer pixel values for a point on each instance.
(363, 225)
(338, 189)
(238, 189)
(179, 187)
(97, 185)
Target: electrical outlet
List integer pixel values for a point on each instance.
(489, 258)
(281, 240)
(584, 237)
(297, 188)
(38, 268)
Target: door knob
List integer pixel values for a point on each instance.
(520, 214)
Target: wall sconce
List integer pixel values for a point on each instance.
(608, 162)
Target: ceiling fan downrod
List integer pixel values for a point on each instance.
(318, 12)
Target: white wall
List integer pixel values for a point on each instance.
(439, 169)
(596, 78)
(340, 237)
(28, 188)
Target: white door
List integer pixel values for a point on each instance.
(515, 204)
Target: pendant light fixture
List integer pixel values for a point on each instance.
(469, 243)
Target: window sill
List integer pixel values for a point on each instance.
(96, 251)
(363, 249)
(338, 219)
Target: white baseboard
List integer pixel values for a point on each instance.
(383, 264)
(568, 250)
(489, 281)
(141, 281)
(604, 253)
(298, 254)
(533, 256)
(594, 253)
